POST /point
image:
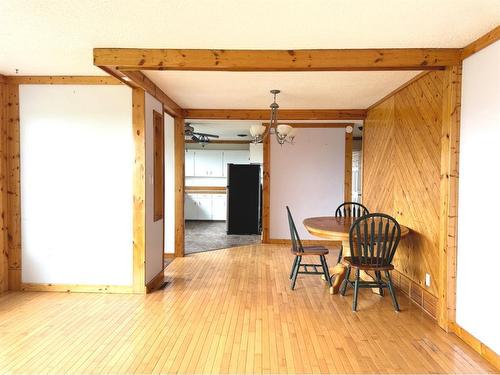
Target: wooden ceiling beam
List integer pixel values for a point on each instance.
(480, 43)
(135, 78)
(62, 80)
(317, 124)
(140, 79)
(277, 60)
(223, 141)
(283, 114)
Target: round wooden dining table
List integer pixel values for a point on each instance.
(337, 229)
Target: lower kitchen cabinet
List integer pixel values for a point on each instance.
(219, 211)
(204, 206)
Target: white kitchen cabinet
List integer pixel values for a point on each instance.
(204, 203)
(189, 163)
(208, 163)
(219, 207)
(199, 206)
(235, 157)
(190, 207)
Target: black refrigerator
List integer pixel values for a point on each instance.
(244, 192)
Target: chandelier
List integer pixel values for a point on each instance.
(284, 133)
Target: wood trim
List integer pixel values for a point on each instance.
(277, 60)
(179, 185)
(314, 125)
(394, 92)
(481, 43)
(279, 241)
(168, 256)
(156, 282)
(4, 258)
(266, 190)
(13, 187)
(217, 189)
(450, 148)
(139, 79)
(348, 168)
(75, 288)
(222, 142)
(484, 351)
(63, 80)
(284, 114)
(158, 166)
(139, 219)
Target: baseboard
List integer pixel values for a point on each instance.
(416, 293)
(483, 350)
(276, 241)
(156, 282)
(76, 288)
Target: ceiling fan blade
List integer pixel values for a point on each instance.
(206, 135)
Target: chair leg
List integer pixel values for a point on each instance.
(346, 281)
(325, 270)
(379, 281)
(296, 271)
(340, 254)
(293, 267)
(392, 291)
(356, 287)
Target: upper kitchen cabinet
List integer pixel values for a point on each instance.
(208, 163)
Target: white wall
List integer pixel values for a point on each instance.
(76, 184)
(154, 229)
(478, 254)
(169, 184)
(308, 177)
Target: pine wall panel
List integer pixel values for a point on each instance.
(402, 153)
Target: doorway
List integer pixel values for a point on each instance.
(215, 154)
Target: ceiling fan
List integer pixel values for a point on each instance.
(196, 136)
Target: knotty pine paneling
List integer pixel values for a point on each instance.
(4, 262)
(402, 152)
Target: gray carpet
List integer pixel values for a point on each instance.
(211, 235)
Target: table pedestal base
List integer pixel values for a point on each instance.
(338, 273)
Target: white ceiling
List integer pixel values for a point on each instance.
(57, 36)
(299, 90)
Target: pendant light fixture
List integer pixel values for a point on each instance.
(284, 133)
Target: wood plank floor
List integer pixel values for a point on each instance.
(226, 311)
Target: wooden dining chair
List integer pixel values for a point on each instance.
(349, 209)
(374, 239)
(305, 251)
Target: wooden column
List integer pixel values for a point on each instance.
(266, 189)
(4, 262)
(139, 189)
(13, 186)
(348, 168)
(450, 143)
(179, 185)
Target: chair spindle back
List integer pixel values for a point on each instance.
(351, 209)
(294, 235)
(374, 239)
